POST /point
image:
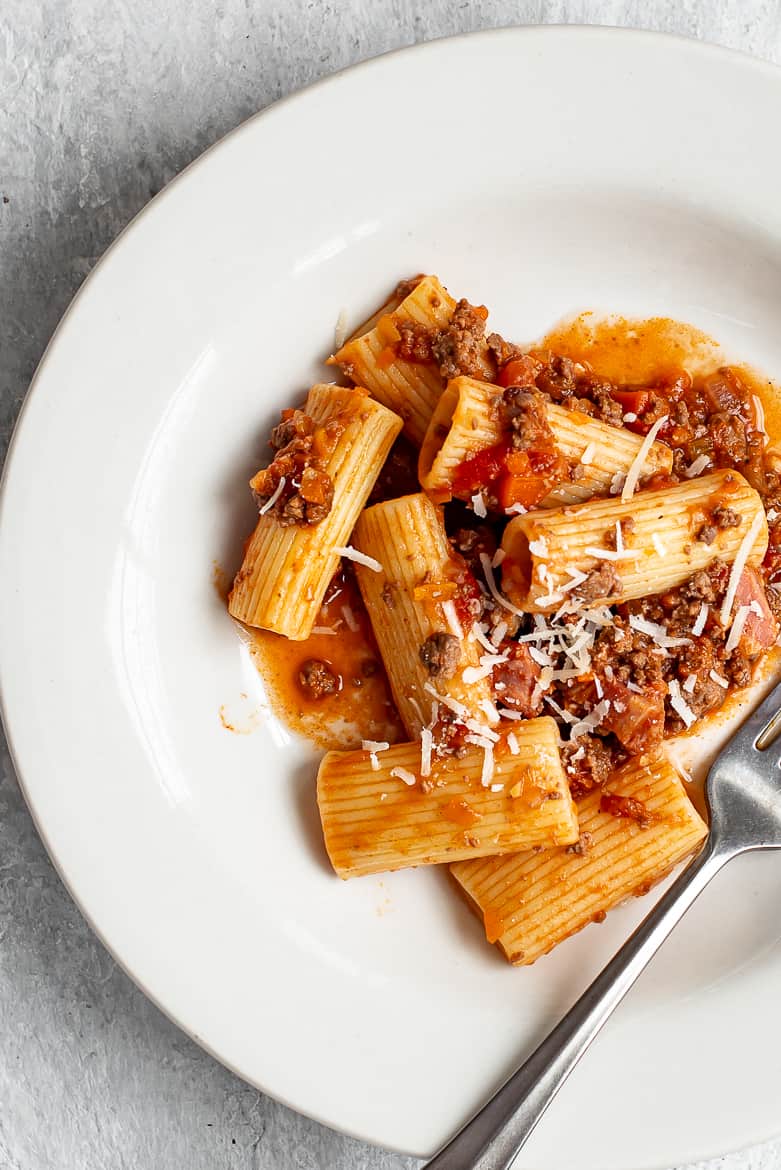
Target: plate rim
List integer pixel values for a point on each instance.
(592, 32)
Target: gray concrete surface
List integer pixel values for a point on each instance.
(102, 102)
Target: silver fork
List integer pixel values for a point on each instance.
(744, 795)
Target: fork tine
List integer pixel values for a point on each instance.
(758, 720)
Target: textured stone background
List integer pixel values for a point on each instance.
(101, 103)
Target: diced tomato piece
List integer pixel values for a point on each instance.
(480, 470)
(632, 401)
(529, 476)
(519, 372)
(517, 678)
(761, 629)
(637, 720)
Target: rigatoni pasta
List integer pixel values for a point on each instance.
(632, 834)
(286, 570)
(653, 542)
(420, 603)
(399, 807)
(405, 376)
(570, 572)
(471, 418)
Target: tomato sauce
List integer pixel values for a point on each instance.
(362, 706)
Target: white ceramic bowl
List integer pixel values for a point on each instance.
(540, 171)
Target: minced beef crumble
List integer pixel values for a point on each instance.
(302, 448)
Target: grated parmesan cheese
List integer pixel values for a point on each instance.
(679, 704)
(486, 775)
(271, 501)
(352, 554)
(702, 618)
(497, 636)
(690, 684)
(402, 774)
(426, 744)
(660, 547)
(478, 636)
(490, 581)
(630, 416)
(759, 411)
(591, 721)
(451, 617)
(656, 632)
(698, 465)
(717, 678)
(515, 510)
(739, 565)
(567, 716)
(372, 746)
(323, 630)
(452, 704)
(588, 455)
(490, 711)
(349, 618)
(633, 475)
(512, 743)
(497, 787)
(498, 557)
(473, 674)
(478, 506)
(539, 548)
(609, 554)
(736, 632)
(340, 330)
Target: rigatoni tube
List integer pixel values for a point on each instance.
(632, 833)
(286, 570)
(411, 388)
(468, 419)
(419, 608)
(548, 552)
(381, 813)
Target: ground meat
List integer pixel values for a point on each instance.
(608, 409)
(514, 681)
(414, 344)
(297, 425)
(448, 735)
(725, 517)
(505, 351)
(582, 845)
(441, 654)
(601, 582)
(296, 478)
(624, 655)
(627, 526)
(525, 419)
(472, 542)
(405, 287)
(626, 806)
(707, 534)
(460, 347)
(593, 766)
(317, 680)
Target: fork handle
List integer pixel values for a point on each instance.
(494, 1137)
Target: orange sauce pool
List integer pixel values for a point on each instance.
(633, 351)
(362, 708)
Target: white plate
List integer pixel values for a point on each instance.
(540, 171)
